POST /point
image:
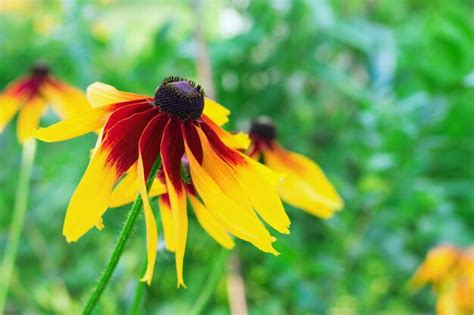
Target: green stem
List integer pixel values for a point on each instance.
(21, 202)
(137, 298)
(120, 246)
(211, 283)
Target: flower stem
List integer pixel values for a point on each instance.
(21, 202)
(120, 246)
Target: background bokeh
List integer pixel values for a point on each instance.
(380, 93)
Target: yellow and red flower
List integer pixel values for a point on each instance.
(305, 185)
(451, 272)
(30, 96)
(178, 124)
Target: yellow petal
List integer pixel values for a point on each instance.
(29, 117)
(246, 181)
(297, 192)
(235, 219)
(262, 194)
(126, 190)
(304, 179)
(167, 220)
(86, 122)
(100, 225)
(437, 266)
(151, 229)
(210, 224)
(100, 94)
(240, 140)
(180, 227)
(216, 112)
(91, 198)
(446, 303)
(157, 189)
(9, 105)
(180, 224)
(66, 100)
(223, 174)
(315, 175)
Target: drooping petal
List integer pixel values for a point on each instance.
(167, 220)
(66, 100)
(262, 194)
(216, 112)
(240, 140)
(88, 121)
(171, 152)
(9, 105)
(149, 143)
(235, 219)
(29, 117)
(149, 149)
(306, 185)
(219, 170)
(126, 190)
(298, 193)
(151, 228)
(210, 224)
(101, 94)
(91, 198)
(115, 154)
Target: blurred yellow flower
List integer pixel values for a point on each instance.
(305, 185)
(16, 5)
(450, 271)
(30, 96)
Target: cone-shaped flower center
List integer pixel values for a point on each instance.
(39, 69)
(180, 98)
(263, 127)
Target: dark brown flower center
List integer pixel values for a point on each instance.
(181, 98)
(263, 127)
(40, 69)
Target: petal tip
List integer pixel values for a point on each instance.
(69, 239)
(146, 279)
(275, 252)
(230, 246)
(181, 284)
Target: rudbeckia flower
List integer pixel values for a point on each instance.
(178, 124)
(305, 185)
(451, 272)
(439, 262)
(30, 96)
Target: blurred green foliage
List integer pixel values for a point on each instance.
(380, 93)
